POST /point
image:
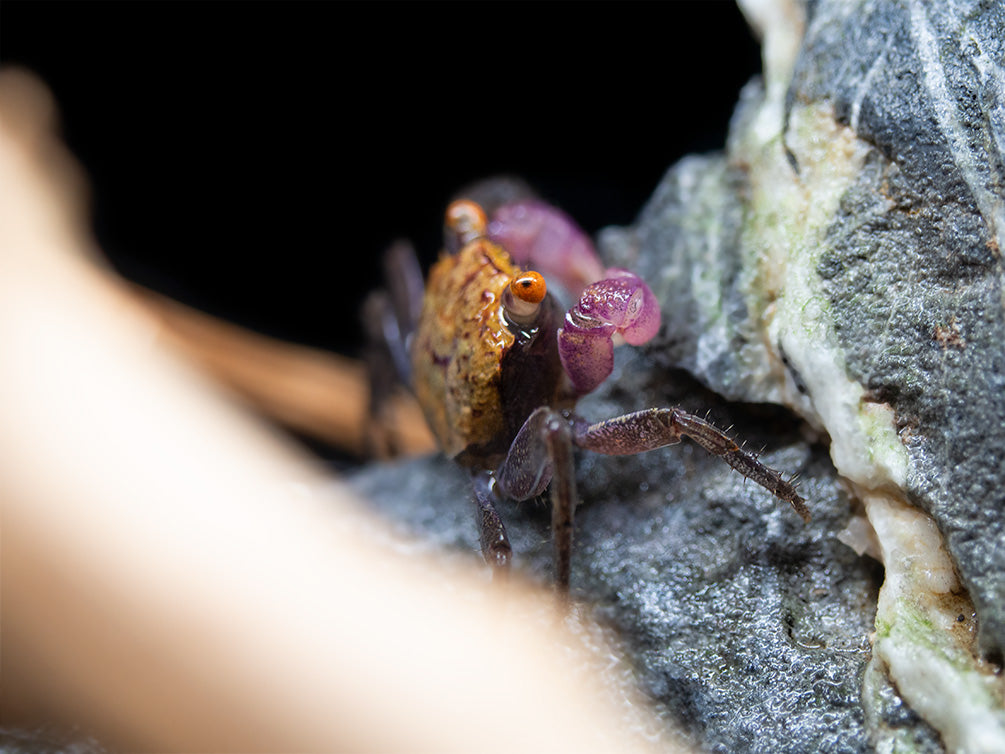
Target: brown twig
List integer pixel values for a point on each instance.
(318, 393)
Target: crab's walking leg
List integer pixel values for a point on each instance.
(389, 318)
(542, 452)
(656, 427)
(492, 532)
(399, 310)
(558, 437)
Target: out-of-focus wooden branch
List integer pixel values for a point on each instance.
(177, 578)
(318, 393)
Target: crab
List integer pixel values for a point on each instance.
(497, 365)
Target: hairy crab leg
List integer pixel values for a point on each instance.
(656, 427)
(558, 436)
(492, 532)
(405, 285)
(389, 318)
(542, 453)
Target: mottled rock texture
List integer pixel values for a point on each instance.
(749, 627)
(914, 270)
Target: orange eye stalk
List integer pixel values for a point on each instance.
(522, 298)
(466, 220)
(529, 287)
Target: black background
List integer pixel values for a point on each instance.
(253, 159)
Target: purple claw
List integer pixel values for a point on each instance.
(621, 302)
(542, 238)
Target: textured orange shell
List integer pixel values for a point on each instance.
(459, 344)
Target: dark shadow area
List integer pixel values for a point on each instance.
(253, 160)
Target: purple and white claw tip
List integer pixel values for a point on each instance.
(620, 303)
(641, 314)
(623, 299)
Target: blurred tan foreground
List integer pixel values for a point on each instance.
(175, 578)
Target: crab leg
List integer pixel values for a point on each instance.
(656, 427)
(390, 318)
(541, 453)
(492, 532)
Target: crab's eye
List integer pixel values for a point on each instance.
(523, 296)
(529, 287)
(465, 221)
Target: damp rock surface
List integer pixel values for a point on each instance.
(747, 627)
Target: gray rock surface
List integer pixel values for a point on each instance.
(843, 258)
(747, 626)
(914, 271)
